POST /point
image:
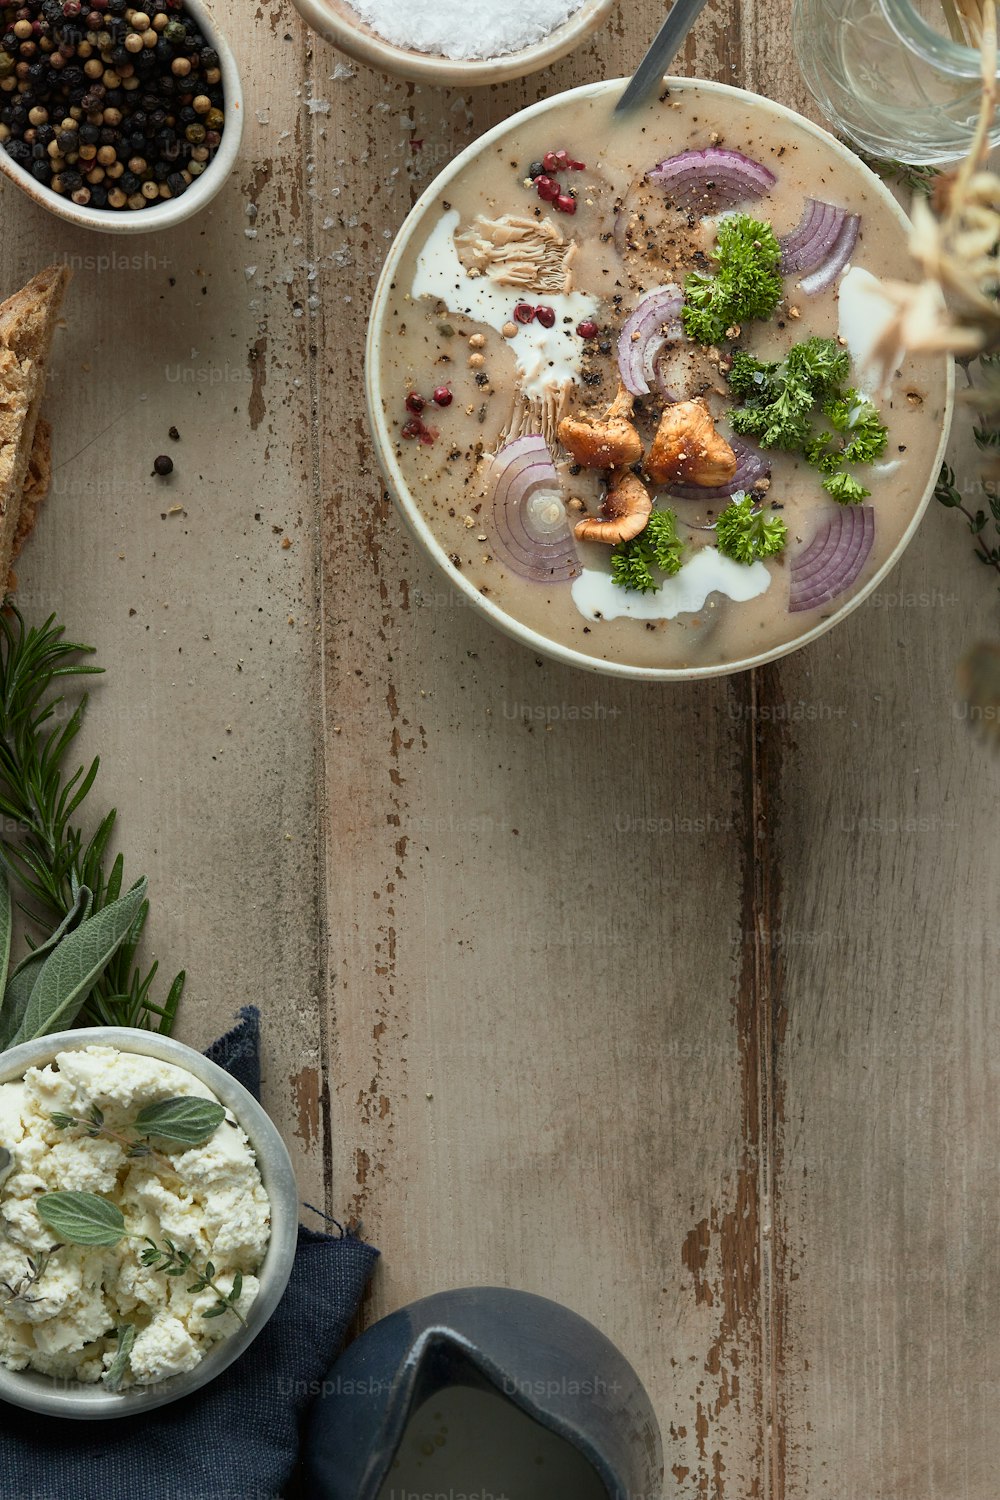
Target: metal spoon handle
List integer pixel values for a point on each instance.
(665, 45)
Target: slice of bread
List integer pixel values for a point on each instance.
(27, 323)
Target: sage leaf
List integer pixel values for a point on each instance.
(75, 964)
(6, 924)
(81, 1218)
(115, 1372)
(191, 1121)
(23, 976)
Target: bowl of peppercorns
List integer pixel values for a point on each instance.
(116, 118)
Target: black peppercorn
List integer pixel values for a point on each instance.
(74, 58)
(163, 465)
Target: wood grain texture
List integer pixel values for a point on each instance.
(535, 1079)
(206, 723)
(515, 1097)
(671, 1003)
(891, 1054)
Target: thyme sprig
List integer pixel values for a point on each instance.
(19, 1291)
(947, 494)
(45, 853)
(184, 1120)
(913, 175)
(173, 1262)
(89, 1219)
(94, 1127)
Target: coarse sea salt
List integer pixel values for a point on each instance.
(463, 29)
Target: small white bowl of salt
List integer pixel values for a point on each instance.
(460, 42)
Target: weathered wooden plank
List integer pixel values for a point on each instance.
(206, 722)
(881, 1330)
(539, 1072)
(890, 1140)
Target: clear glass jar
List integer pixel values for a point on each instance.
(889, 76)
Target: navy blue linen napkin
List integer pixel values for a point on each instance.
(238, 1437)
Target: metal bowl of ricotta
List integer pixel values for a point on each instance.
(75, 1399)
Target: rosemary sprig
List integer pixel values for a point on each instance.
(173, 1262)
(42, 849)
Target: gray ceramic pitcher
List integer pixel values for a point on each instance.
(487, 1392)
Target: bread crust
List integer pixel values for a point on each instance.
(27, 323)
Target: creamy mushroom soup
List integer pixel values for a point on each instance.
(568, 422)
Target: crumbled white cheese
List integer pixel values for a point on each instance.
(209, 1200)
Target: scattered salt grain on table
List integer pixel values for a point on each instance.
(465, 28)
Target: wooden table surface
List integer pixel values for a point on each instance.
(677, 1010)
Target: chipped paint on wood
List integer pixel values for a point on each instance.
(305, 1087)
(257, 363)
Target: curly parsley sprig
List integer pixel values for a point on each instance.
(746, 284)
(659, 546)
(747, 534)
(782, 399)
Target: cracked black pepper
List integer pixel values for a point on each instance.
(112, 107)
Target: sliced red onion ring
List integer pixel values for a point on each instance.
(840, 254)
(533, 536)
(712, 179)
(813, 237)
(655, 322)
(833, 559)
(751, 465)
(666, 358)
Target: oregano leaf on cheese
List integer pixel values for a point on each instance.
(187, 1119)
(115, 1373)
(81, 1218)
